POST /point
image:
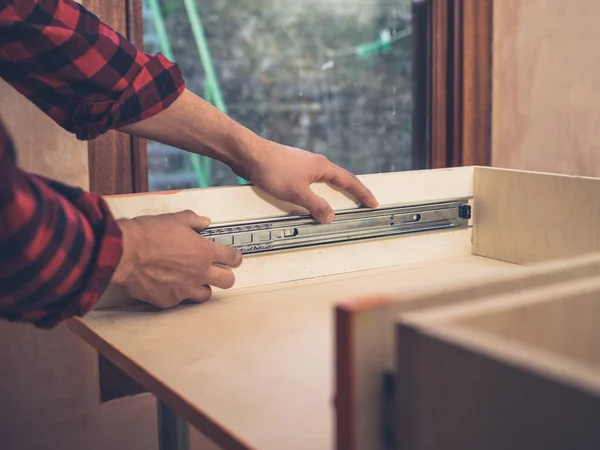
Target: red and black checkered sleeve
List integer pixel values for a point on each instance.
(80, 71)
(59, 246)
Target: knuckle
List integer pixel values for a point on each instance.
(184, 213)
(203, 268)
(208, 252)
(179, 294)
(234, 256)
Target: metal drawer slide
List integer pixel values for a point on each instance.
(350, 225)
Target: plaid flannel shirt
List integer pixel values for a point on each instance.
(59, 246)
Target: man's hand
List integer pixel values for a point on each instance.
(165, 261)
(286, 173)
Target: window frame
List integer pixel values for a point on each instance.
(460, 87)
(117, 161)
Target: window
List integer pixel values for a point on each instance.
(329, 76)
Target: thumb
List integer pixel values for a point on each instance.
(316, 206)
(191, 219)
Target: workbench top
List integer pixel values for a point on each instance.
(254, 368)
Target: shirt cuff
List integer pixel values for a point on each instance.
(99, 272)
(156, 86)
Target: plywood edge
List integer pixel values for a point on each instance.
(530, 294)
(221, 435)
(345, 406)
(541, 273)
(482, 169)
(345, 369)
(356, 306)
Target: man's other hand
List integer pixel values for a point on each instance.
(286, 173)
(165, 261)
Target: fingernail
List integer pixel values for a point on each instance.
(329, 217)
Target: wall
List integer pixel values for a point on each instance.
(546, 94)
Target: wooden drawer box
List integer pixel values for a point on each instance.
(295, 355)
(514, 370)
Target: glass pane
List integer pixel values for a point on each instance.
(328, 76)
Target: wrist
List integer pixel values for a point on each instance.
(243, 152)
(124, 269)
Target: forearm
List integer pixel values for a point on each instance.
(194, 125)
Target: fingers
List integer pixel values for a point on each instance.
(221, 277)
(192, 220)
(316, 206)
(340, 178)
(201, 294)
(349, 182)
(227, 256)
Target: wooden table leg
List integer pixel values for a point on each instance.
(173, 431)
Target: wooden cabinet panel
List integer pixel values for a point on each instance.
(545, 93)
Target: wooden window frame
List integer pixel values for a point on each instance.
(460, 84)
(118, 162)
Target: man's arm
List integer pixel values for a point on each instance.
(284, 172)
(78, 70)
(59, 246)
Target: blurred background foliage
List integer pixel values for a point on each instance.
(328, 76)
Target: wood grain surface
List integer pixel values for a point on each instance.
(545, 95)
